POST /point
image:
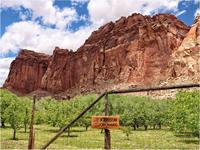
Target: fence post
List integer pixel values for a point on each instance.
(32, 132)
(107, 131)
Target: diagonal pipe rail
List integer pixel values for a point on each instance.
(116, 92)
(130, 90)
(72, 122)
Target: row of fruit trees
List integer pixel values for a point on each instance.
(181, 114)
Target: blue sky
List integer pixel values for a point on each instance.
(9, 15)
(40, 25)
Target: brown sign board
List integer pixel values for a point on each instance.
(105, 122)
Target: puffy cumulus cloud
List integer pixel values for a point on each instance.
(44, 9)
(4, 68)
(102, 11)
(30, 35)
(35, 36)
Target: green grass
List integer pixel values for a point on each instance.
(93, 138)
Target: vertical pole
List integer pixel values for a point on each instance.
(107, 131)
(32, 132)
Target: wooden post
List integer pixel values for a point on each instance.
(32, 132)
(107, 131)
(72, 122)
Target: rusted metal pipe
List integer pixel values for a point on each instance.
(72, 122)
(116, 92)
(153, 88)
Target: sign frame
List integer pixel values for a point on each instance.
(105, 122)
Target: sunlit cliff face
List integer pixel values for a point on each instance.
(134, 51)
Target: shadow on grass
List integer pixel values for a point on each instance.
(184, 135)
(142, 130)
(5, 127)
(50, 130)
(17, 139)
(76, 130)
(185, 138)
(192, 141)
(27, 132)
(149, 129)
(70, 136)
(156, 129)
(56, 130)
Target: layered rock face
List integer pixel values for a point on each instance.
(186, 59)
(133, 51)
(26, 71)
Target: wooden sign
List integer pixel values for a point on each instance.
(105, 122)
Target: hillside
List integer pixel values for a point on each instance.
(135, 51)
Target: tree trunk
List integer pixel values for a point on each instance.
(2, 123)
(14, 134)
(127, 135)
(154, 126)
(145, 127)
(137, 125)
(101, 130)
(159, 125)
(86, 128)
(68, 131)
(25, 127)
(134, 127)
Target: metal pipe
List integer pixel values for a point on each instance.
(153, 88)
(116, 92)
(72, 122)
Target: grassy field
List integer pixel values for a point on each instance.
(93, 138)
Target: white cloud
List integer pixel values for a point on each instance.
(102, 11)
(78, 2)
(197, 12)
(25, 15)
(30, 35)
(45, 9)
(196, 1)
(4, 68)
(180, 13)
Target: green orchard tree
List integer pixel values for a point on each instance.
(26, 104)
(185, 112)
(6, 97)
(15, 116)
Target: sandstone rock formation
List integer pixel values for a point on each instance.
(133, 51)
(26, 71)
(186, 59)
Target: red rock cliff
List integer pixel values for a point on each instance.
(26, 71)
(136, 50)
(186, 59)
